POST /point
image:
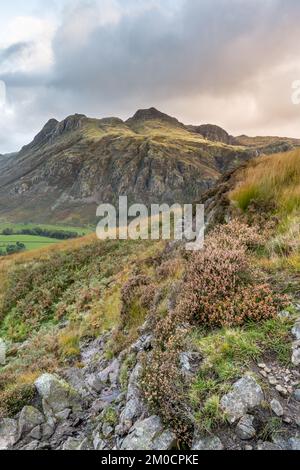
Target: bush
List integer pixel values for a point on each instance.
(221, 288)
(14, 398)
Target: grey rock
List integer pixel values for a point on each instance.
(296, 331)
(110, 374)
(207, 443)
(2, 352)
(57, 394)
(268, 446)
(284, 314)
(245, 395)
(33, 445)
(143, 344)
(296, 353)
(76, 444)
(133, 410)
(29, 419)
(297, 394)
(245, 429)
(190, 362)
(277, 408)
(36, 433)
(99, 444)
(8, 433)
(282, 390)
(294, 443)
(149, 435)
(107, 430)
(47, 430)
(63, 415)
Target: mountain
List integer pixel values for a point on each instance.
(73, 165)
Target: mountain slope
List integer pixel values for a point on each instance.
(73, 165)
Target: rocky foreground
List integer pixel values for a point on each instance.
(90, 408)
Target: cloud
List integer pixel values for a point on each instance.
(231, 62)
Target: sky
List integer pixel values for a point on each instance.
(226, 62)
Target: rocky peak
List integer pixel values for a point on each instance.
(213, 133)
(150, 115)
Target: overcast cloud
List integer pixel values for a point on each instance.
(229, 62)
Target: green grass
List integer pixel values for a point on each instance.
(33, 242)
(228, 353)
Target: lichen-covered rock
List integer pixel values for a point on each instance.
(149, 434)
(245, 429)
(245, 395)
(8, 433)
(134, 408)
(57, 394)
(29, 419)
(207, 443)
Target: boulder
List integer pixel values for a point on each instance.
(8, 433)
(297, 394)
(29, 419)
(207, 443)
(245, 429)
(246, 394)
(57, 394)
(149, 434)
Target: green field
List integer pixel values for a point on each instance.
(33, 242)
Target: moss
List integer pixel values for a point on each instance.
(110, 416)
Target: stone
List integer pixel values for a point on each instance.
(144, 343)
(57, 394)
(29, 419)
(297, 394)
(99, 444)
(296, 353)
(282, 390)
(273, 381)
(149, 434)
(190, 362)
(207, 443)
(294, 443)
(33, 445)
(277, 408)
(134, 408)
(296, 331)
(262, 365)
(248, 448)
(246, 394)
(36, 433)
(63, 415)
(47, 430)
(245, 429)
(284, 314)
(110, 374)
(107, 430)
(287, 420)
(2, 353)
(76, 444)
(268, 446)
(8, 433)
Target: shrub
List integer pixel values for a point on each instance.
(14, 398)
(221, 288)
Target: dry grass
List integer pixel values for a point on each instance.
(272, 179)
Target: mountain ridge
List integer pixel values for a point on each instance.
(73, 165)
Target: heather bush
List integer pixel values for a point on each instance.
(221, 287)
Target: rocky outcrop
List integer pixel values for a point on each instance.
(149, 435)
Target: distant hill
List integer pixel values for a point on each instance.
(73, 165)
